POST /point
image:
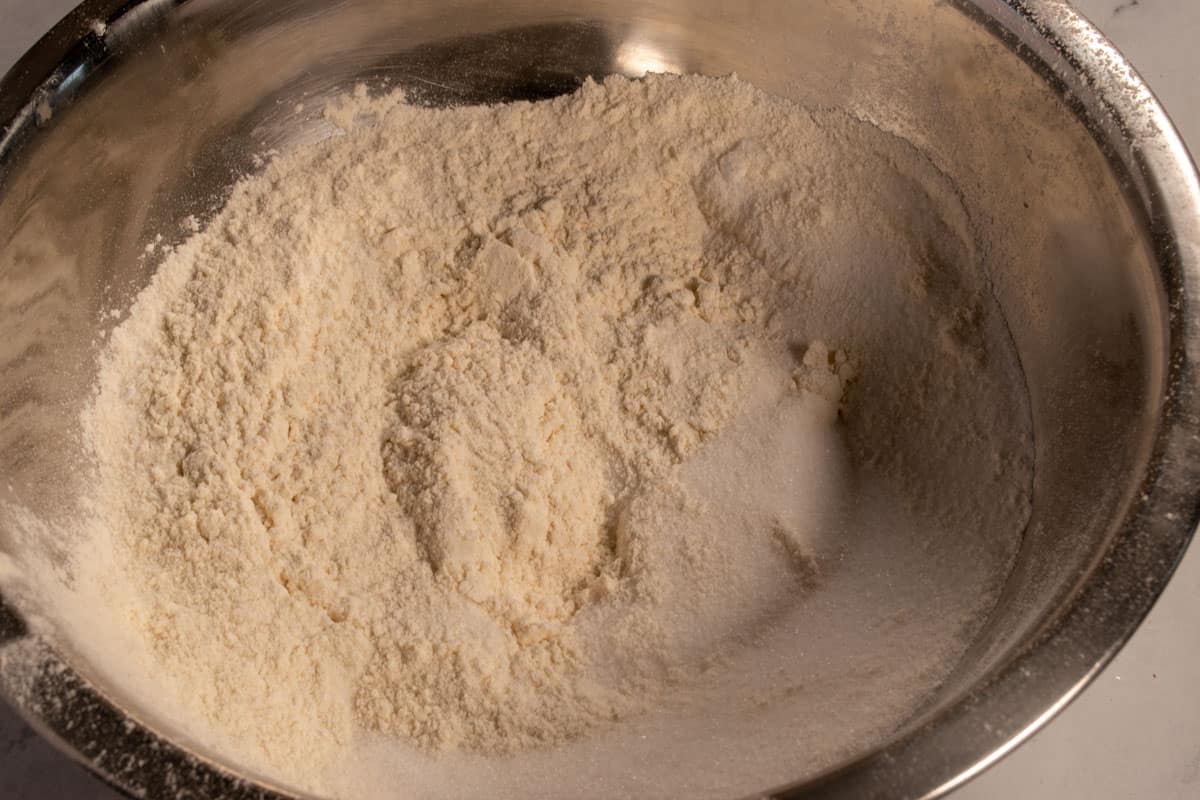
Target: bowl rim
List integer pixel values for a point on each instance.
(960, 740)
(955, 742)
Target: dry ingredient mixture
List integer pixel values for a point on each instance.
(483, 431)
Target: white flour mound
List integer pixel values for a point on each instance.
(484, 430)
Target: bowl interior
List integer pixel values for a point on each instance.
(171, 105)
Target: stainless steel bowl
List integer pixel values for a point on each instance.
(129, 116)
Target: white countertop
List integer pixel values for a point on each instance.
(1133, 735)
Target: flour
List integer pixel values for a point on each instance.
(489, 431)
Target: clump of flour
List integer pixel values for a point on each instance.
(482, 429)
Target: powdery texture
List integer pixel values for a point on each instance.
(485, 427)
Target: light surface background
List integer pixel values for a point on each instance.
(1133, 735)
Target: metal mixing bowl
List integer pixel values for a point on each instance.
(132, 115)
